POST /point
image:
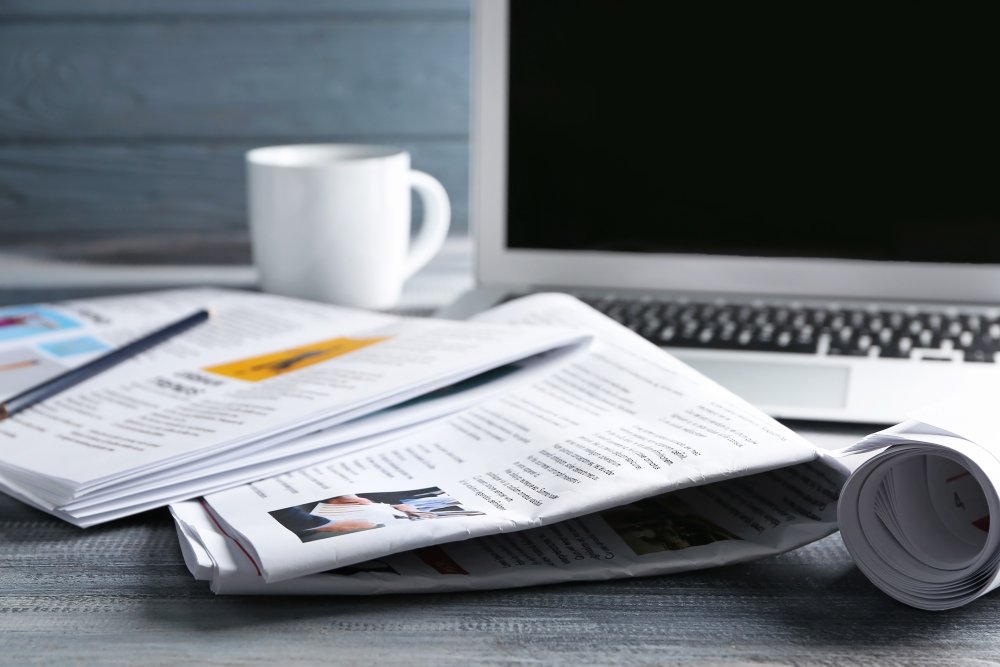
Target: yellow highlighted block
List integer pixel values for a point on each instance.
(267, 366)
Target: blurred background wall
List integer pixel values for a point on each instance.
(123, 123)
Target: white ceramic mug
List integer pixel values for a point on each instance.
(331, 222)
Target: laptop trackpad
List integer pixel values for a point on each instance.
(778, 384)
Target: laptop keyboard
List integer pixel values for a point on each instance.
(832, 330)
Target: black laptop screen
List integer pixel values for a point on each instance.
(809, 130)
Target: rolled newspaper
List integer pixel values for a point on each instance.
(916, 515)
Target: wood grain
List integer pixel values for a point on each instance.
(144, 9)
(127, 119)
(287, 80)
(67, 196)
(120, 595)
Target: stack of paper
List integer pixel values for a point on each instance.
(621, 462)
(255, 391)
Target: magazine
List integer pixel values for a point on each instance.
(239, 397)
(621, 462)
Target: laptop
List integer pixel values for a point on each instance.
(802, 202)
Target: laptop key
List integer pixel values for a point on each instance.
(928, 338)
(979, 355)
(846, 352)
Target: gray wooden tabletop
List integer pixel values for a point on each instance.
(119, 594)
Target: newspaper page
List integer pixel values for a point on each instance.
(717, 524)
(250, 463)
(39, 341)
(915, 516)
(261, 371)
(623, 423)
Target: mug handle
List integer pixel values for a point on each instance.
(437, 218)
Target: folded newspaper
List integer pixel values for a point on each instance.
(916, 514)
(267, 385)
(621, 462)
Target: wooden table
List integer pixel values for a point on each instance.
(120, 594)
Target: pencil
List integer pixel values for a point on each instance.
(19, 364)
(75, 376)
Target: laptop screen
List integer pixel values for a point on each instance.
(804, 130)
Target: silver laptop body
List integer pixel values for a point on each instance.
(916, 330)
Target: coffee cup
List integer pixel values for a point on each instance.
(331, 222)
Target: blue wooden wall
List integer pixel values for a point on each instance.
(123, 123)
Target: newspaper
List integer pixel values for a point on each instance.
(622, 462)
(241, 396)
(916, 514)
